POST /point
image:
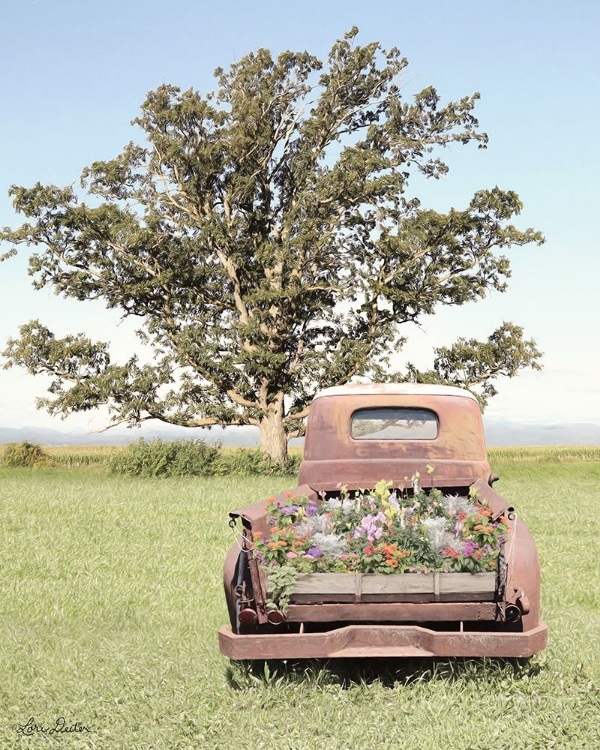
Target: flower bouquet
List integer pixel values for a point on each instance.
(380, 531)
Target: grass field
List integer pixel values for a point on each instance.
(84, 456)
(111, 596)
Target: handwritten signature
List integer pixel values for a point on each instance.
(60, 727)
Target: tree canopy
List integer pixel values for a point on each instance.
(264, 237)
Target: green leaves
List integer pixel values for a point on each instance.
(38, 350)
(473, 364)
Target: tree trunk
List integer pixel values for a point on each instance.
(273, 437)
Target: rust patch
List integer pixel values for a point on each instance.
(332, 456)
(382, 641)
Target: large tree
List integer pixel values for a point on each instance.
(264, 237)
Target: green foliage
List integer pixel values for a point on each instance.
(264, 236)
(162, 458)
(253, 462)
(474, 364)
(24, 454)
(281, 583)
(180, 458)
(243, 462)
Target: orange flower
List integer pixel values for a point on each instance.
(275, 529)
(478, 527)
(272, 545)
(502, 519)
(392, 563)
(488, 530)
(282, 543)
(257, 534)
(289, 494)
(485, 512)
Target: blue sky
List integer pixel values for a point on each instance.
(74, 75)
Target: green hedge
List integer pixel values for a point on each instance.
(179, 458)
(24, 454)
(162, 458)
(247, 462)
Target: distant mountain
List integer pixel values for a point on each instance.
(498, 432)
(231, 436)
(501, 432)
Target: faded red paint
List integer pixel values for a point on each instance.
(389, 641)
(332, 456)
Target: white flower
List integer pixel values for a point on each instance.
(455, 504)
(347, 505)
(319, 523)
(333, 545)
(439, 536)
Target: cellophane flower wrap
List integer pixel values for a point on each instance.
(381, 531)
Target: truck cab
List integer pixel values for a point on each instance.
(361, 433)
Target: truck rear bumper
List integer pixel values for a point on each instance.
(389, 641)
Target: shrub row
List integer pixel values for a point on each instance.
(159, 458)
(178, 458)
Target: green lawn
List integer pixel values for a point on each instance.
(111, 598)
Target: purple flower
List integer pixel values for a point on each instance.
(271, 520)
(409, 511)
(501, 539)
(470, 547)
(289, 510)
(258, 555)
(312, 509)
(314, 552)
(369, 527)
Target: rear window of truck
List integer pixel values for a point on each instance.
(394, 423)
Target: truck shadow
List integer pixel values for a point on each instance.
(390, 673)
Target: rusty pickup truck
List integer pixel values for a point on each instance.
(358, 435)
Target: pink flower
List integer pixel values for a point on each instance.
(291, 555)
